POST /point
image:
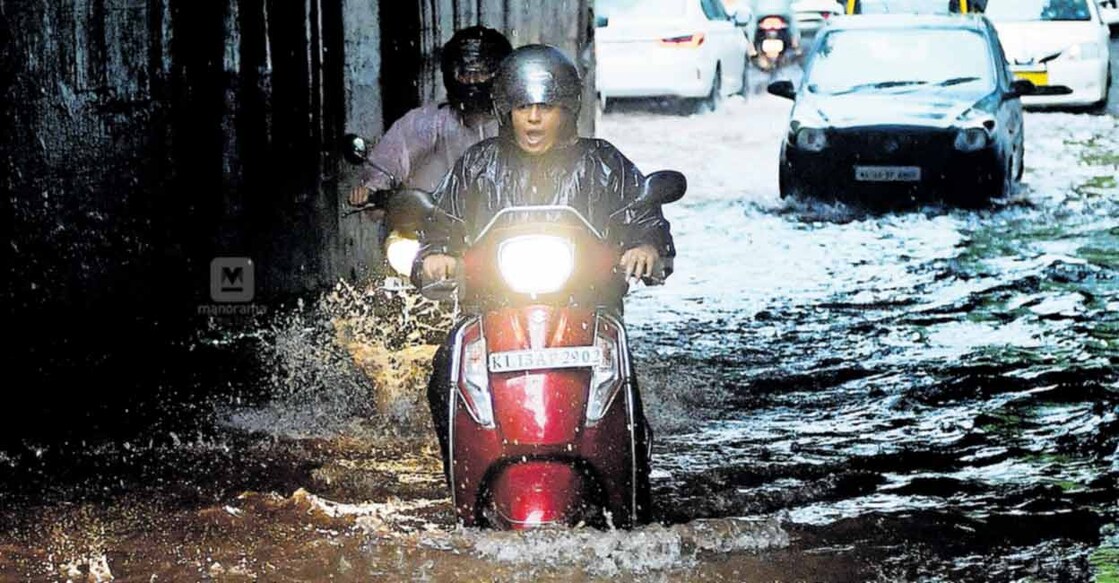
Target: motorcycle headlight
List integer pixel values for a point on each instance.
(811, 139)
(536, 264)
(1082, 52)
(475, 383)
(401, 252)
(605, 380)
(972, 139)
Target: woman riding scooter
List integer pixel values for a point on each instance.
(538, 161)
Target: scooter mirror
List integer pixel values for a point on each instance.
(355, 148)
(662, 187)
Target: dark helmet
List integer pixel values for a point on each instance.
(537, 74)
(469, 62)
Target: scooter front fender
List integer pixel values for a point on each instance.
(534, 493)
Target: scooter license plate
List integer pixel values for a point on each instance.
(546, 358)
(888, 173)
(773, 46)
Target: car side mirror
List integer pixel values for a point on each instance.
(355, 149)
(783, 88)
(1020, 87)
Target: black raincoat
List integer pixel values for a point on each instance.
(589, 175)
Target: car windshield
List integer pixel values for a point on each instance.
(1033, 10)
(850, 61)
(904, 7)
(640, 8)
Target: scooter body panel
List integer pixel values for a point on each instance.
(542, 461)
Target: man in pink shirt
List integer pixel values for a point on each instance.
(421, 147)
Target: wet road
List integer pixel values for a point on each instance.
(835, 395)
(894, 381)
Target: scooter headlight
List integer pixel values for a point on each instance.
(401, 252)
(972, 139)
(536, 264)
(475, 384)
(604, 380)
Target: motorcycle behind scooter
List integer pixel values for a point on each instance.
(401, 316)
(776, 38)
(542, 409)
(399, 238)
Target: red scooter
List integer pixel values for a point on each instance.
(544, 417)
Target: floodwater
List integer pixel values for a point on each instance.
(835, 395)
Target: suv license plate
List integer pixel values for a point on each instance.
(563, 357)
(888, 173)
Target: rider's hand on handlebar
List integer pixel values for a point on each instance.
(359, 195)
(640, 261)
(439, 267)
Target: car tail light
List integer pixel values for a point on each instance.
(825, 15)
(474, 386)
(772, 23)
(686, 41)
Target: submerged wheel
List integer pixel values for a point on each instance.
(999, 185)
(715, 98)
(1007, 179)
(790, 187)
(785, 182)
(1021, 170)
(1100, 106)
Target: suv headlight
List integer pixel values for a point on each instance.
(811, 139)
(536, 264)
(972, 139)
(1082, 52)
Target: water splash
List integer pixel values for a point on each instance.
(356, 359)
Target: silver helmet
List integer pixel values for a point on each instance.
(537, 74)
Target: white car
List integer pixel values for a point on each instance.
(811, 15)
(1056, 43)
(681, 48)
